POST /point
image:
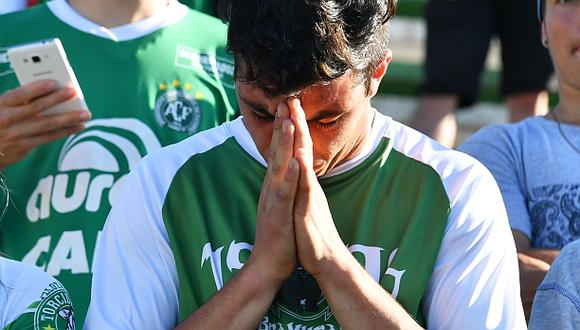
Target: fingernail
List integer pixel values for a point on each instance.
(293, 164)
(69, 91)
(85, 115)
(285, 127)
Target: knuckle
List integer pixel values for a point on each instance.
(275, 168)
(37, 105)
(24, 148)
(52, 125)
(6, 121)
(9, 95)
(14, 97)
(12, 134)
(282, 193)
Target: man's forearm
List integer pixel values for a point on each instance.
(546, 255)
(240, 304)
(358, 302)
(532, 272)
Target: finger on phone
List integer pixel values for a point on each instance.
(43, 103)
(24, 94)
(46, 124)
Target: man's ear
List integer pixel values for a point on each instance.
(379, 73)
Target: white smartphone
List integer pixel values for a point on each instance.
(46, 59)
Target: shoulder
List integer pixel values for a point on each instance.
(202, 21)
(201, 142)
(506, 136)
(566, 265)
(24, 15)
(563, 274)
(571, 251)
(18, 276)
(476, 244)
(457, 171)
(25, 289)
(557, 300)
(158, 168)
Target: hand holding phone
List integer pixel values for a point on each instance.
(48, 106)
(43, 60)
(23, 127)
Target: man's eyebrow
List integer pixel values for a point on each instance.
(256, 107)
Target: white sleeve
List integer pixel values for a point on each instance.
(497, 149)
(134, 276)
(475, 282)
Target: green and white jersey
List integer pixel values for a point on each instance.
(148, 84)
(427, 223)
(30, 299)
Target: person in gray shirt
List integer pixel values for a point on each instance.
(557, 302)
(536, 160)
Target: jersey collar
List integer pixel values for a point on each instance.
(174, 13)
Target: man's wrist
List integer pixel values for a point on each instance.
(341, 264)
(264, 274)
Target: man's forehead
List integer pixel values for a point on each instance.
(327, 89)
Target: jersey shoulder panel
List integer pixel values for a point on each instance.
(31, 15)
(165, 162)
(455, 168)
(203, 25)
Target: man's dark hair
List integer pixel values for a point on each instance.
(284, 46)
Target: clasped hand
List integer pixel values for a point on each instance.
(294, 223)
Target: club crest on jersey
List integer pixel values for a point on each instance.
(55, 311)
(177, 110)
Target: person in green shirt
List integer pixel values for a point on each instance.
(313, 210)
(153, 74)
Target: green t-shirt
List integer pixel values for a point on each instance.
(415, 215)
(32, 300)
(147, 85)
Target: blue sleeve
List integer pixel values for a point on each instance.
(557, 301)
